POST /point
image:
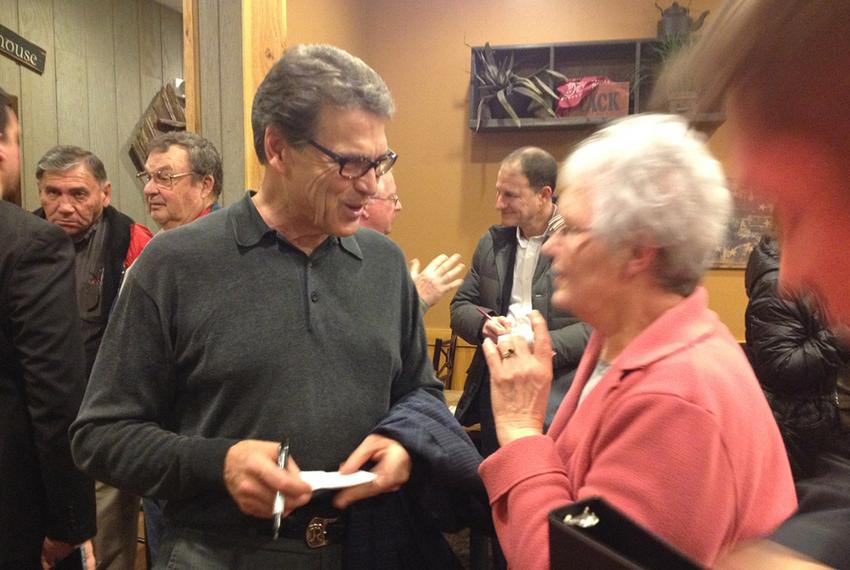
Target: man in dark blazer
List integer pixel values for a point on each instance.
(46, 505)
(508, 279)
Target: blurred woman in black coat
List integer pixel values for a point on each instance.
(797, 361)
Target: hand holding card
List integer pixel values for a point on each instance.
(334, 480)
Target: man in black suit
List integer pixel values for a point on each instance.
(46, 505)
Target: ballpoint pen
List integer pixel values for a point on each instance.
(486, 314)
(282, 457)
(491, 318)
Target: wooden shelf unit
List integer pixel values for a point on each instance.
(634, 61)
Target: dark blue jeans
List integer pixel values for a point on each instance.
(154, 527)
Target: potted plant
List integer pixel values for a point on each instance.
(502, 90)
(680, 96)
(677, 32)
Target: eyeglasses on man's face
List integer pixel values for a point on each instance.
(393, 198)
(353, 167)
(161, 178)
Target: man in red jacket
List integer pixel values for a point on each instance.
(75, 193)
(182, 178)
(182, 182)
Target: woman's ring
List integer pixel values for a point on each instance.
(508, 353)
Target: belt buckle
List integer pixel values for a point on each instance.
(316, 534)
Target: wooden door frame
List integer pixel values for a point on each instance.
(191, 61)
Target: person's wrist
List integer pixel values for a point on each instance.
(511, 430)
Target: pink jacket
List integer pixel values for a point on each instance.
(677, 435)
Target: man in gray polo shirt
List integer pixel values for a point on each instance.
(274, 319)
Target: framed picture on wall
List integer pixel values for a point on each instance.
(750, 219)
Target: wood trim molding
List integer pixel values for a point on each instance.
(263, 42)
(191, 66)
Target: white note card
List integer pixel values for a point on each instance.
(335, 480)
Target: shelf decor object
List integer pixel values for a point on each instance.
(505, 92)
(676, 21)
(596, 97)
(633, 62)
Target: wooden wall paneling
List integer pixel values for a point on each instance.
(171, 32)
(37, 96)
(129, 107)
(10, 72)
(72, 110)
(150, 50)
(209, 72)
(100, 65)
(150, 63)
(69, 34)
(232, 126)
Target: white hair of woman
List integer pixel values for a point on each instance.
(655, 183)
(664, 408)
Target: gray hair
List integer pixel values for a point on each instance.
(204, 159)
(778, 61)
(62, 158)
(537, 165)
(303, 82)
(653, 181)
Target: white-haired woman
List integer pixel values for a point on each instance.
(665, 418)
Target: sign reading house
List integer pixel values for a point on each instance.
(24, 52)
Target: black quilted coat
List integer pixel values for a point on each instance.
(796, 359)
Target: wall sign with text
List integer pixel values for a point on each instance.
(24, 52)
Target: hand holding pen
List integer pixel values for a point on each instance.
(494, 326)
(252, 478)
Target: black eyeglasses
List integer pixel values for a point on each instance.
(353, 167)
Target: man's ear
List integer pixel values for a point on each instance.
(207, 184)
(546, 193)
(275, 148)
(107, 193)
